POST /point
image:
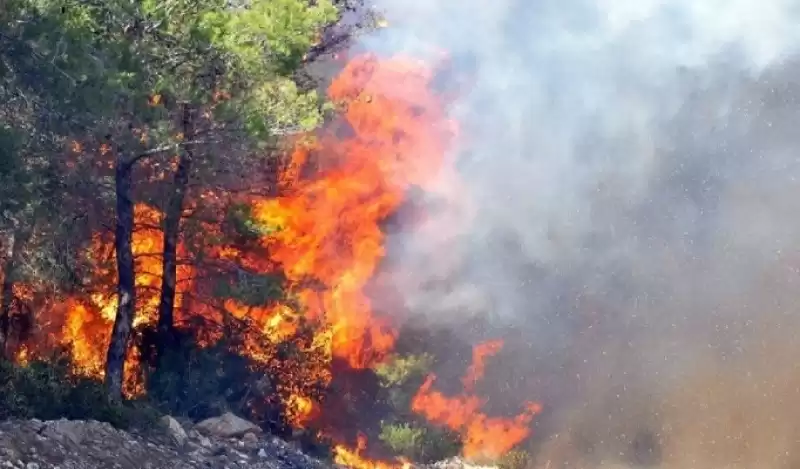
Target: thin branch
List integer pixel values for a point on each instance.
(328, 46)
(164, 148)
(35, 54)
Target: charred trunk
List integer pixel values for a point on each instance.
(126, 294)
(7, 293)
(16, 241)
(172, 223)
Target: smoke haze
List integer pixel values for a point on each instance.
(630, 173)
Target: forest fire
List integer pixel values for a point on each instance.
(328, 228)
(323, 235)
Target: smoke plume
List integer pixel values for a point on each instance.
(626, 218)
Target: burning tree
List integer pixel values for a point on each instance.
(172, 85)
(233, 242)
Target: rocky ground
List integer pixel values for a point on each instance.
(225, 442)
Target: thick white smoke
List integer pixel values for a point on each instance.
(574, 101)
(593, 128)
(633, 170)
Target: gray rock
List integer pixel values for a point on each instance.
(174, 430)
(227, 426)
(250, 439)
(64, 430)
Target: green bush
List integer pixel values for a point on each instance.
(400, 377)
(47, 390)
(418, 442)
(403, 439)
(516, 459)
(402, 369)
(403, 434)
(441, 444)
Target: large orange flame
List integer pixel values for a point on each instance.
(327, 228)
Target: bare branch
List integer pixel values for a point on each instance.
(328, 46)
(164, 148)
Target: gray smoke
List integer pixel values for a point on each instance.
(633, 177)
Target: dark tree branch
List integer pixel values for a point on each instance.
(162, 149)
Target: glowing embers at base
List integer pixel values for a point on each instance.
(352, 457)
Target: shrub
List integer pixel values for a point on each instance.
(418, 442)
(47, 390)
(400, 378)
(403, 439)
(441, 444)
(515, 459)
(403, 433)
(402, 369)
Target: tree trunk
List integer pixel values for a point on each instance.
(16, 242)
(172, 223)
(7, 292)
(126, 293)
